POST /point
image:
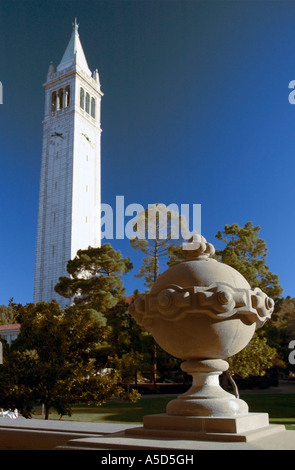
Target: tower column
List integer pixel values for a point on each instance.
(69, 198)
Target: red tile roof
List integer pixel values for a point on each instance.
(12, 326)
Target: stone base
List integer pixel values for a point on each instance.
(242, 428)
(270, 437)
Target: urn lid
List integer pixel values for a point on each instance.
(199, 269)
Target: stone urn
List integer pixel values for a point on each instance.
(203, 311)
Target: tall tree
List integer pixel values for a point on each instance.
(95, 283)
(157, 228)
(95, 278)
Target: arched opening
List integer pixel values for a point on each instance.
(53, 102)
(82, 98)
(93, 107)
(67, 96)
(60, 98)
(87, 103)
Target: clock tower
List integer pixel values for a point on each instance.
(70, 182)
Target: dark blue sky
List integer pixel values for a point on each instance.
(195, 111)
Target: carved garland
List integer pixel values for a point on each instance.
(220, 301)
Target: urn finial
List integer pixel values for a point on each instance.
(197, 248)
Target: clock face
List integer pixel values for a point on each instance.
(88, 138)
(56, 137)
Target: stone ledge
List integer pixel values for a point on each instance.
(243, 428)
(207, 424)
(282, 440)
(62, 426)
(162, 432)
(248, 436)
(37, 434)
(21, 434)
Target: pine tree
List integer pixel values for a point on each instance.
(247, 253)
(95, 278)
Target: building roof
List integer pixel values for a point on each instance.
(10, 327)
(74, 53)
(128, 299)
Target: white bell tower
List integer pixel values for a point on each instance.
(70, 183)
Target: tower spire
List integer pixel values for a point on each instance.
(74, 52)
(75, 25)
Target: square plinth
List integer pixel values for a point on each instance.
(226, 424)
(237, 428)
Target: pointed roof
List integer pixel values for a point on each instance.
(74, 53)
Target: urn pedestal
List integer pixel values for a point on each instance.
(203, 312)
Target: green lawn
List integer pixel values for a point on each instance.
(280, 407)
(117, 411)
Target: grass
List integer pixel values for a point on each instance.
(280, 407)
(116, 411)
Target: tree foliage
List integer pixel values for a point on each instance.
(254, 360)
(158, 227)
(96, 282)
(95, 278)
(8, 314)
(53, 361)
(281, 329)
(247, 253)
